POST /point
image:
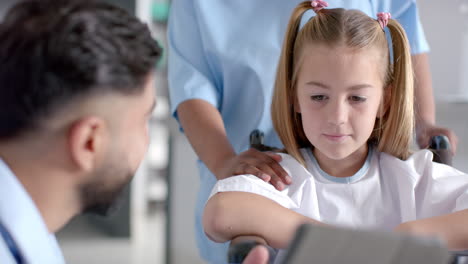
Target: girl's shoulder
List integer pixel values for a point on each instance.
(418, 160)
(293, 167)
(288, 161)
(418, 165)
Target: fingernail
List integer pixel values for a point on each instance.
(280, 185)
(288, 179)
(265, 177)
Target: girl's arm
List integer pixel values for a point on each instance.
(452, 228)
(241, 239)
(231, 214)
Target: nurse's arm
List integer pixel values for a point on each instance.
(231, 214)
(452, 228)
(204, 127)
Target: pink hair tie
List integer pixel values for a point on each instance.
(383, 18)
(317, 5)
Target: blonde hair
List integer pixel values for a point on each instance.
(353, 29)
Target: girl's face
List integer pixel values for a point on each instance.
(339, 92)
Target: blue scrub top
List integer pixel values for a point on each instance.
(226, 53)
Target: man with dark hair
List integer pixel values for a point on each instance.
(76, 93)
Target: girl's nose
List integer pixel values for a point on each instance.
(337, 112)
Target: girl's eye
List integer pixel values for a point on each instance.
(356, 98)
(318, 97)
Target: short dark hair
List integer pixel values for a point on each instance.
(52, 51)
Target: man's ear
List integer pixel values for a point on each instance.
(87, 141)
(385, 102)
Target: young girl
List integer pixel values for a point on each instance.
(343, 108)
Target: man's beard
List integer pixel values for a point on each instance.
(102, 196)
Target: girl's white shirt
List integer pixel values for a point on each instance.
(385, 192)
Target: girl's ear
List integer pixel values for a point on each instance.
(385, 102)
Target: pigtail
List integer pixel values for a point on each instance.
(283, 112)
(398, 129)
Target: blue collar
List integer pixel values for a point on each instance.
(351, 179)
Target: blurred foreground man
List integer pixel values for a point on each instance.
(76, 94)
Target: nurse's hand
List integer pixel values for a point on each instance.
(258, 255)
(264, 165)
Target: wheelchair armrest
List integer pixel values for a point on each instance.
(239, 251)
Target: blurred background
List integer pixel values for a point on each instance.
(156, 224)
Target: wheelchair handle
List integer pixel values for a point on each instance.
(440, 146)
(256, 137)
